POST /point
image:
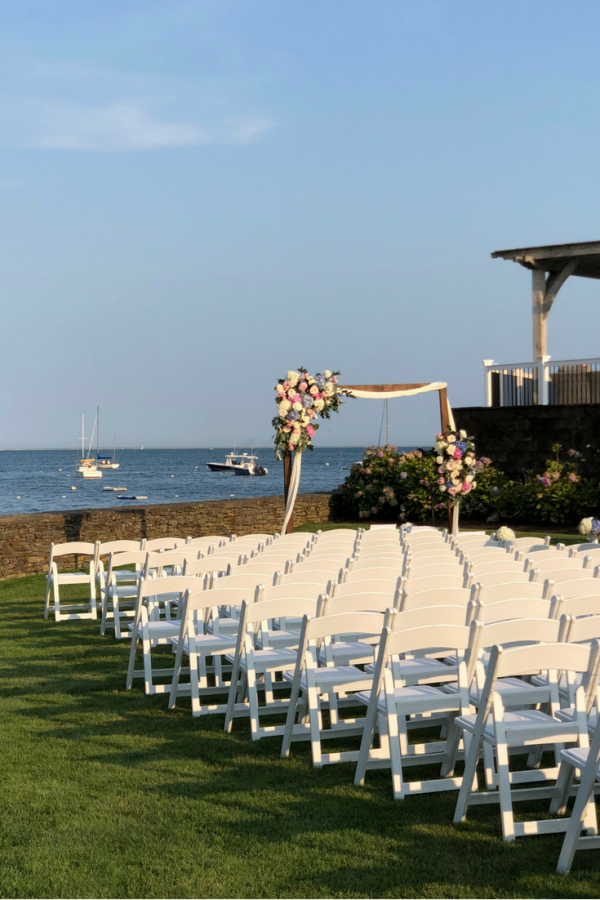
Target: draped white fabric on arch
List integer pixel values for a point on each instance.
(368, 392)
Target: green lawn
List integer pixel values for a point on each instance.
(106, 794)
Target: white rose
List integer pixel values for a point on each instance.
(462, 433)
(329, 388)
(319, 404)
(293, 377)
(294, 438)
(285, 406)
(327, 373)
(297, 406)
(439, 445)
(469, 479)
(291, 393)
(439, 460)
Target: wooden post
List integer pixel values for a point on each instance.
(444, 410)
(538, 311)
(287, 477)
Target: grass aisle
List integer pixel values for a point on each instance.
(106, 794)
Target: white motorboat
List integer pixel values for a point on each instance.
(86, 467)
(239, 464)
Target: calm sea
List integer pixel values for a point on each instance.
(39, 480)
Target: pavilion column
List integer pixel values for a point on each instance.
(538, 299)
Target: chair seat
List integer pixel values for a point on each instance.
(347, 652)
(71, 577)
(414, 699)
(515, 690)
(125, 591)
(270, 659)
(567, 714)
(159, 629)
(209, 643)
(332, 678)
(578, 757)
(525, 718)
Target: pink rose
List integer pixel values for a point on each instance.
(466, 487)
(310, 430)
(441, 481)
(290, 447)
(311, 413)
(380, 455)
(457, 453)
(302, 386)
(286, 429)
(452, 491)
(286, 385)
(573, 478)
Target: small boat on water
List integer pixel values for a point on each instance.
(86, 467)
(117, 489)
(104, 462)
(239, 464)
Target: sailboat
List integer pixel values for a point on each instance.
(104, 462)
(86, 468)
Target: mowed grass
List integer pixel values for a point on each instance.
(107, 794)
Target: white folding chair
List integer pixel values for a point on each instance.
(119, 593)
(254, 661)
(163, 543)
(152, 632)
(516, 730)
(392, 704)
(319, 685)
(54, 579)
(582, 826)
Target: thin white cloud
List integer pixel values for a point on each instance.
(128, 126)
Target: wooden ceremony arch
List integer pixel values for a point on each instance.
(371, 392)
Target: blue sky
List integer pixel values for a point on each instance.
(197, 196)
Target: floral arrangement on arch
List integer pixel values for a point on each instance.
(457, 465)
(301, 400)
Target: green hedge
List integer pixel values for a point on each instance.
(403, 486)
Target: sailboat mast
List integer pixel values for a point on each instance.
(98, 432)
(82, 433)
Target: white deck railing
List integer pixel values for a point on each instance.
(544, 383)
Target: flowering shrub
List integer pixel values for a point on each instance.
(302, 399)
(398, 486)
(456, 465)
(392, 484)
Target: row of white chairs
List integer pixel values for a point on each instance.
(374, 639)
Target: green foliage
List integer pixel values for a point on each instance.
(403, 486)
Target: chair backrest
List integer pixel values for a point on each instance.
(131, 558)
(492, 593)
(333, 606)
(430, 615)
(443, 553)
(545, 562)
(433, 583)
(370, 585)
(173, 584)
(302, 575)
(210, 563)
(559, 576)
(485, 556)
(286, 607)
(525, 543)
(163, 543)
(591, 547)
(74, 548)
(363, 623)
(533, 658)
(577, 587)
(521, 631)
(118, 547)
(490, 578)
(517, 608)
(497, 565)
(300, 591)
(435, 597)
(382, 573)
(432, 639)
(588, 605)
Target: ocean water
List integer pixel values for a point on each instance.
(41, 480)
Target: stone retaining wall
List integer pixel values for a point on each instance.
(518, 438)
(25, 539)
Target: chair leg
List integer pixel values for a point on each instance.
(147, 651)
(468, 781)
(315, 720)
(253, 704)
(506, 813)
(584, 796)
(47, 599)
(56, 593)
(131, 666)
(290, 719)
(395, 730)
(558, 806)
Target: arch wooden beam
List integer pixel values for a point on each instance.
(554, 284)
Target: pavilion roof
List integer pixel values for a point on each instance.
(554, 258)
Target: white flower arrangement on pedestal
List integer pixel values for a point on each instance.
(590, 528)
(504, 534)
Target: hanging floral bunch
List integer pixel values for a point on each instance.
(301, 400)
(457, 465)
